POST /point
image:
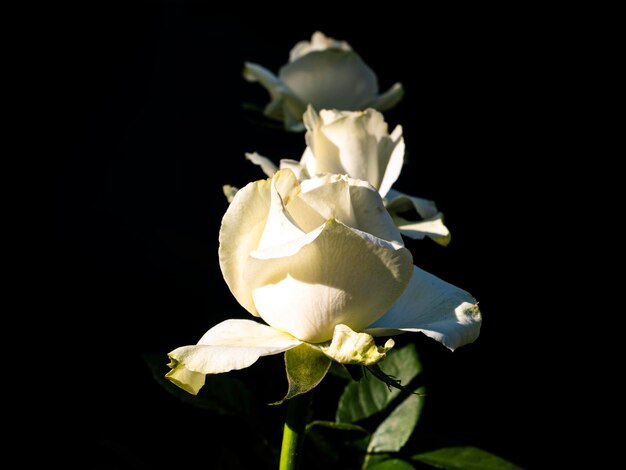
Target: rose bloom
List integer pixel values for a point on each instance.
(320, 262)
(358, 144)
(325, 73)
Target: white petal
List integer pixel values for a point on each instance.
(388, 99)
(310, 118)
(308, 161)
(189, 381)
(350, 347)
(397, 202)
(319, 42)
(284, 105)
(434, 307)
(296, 167)
(280, 228)
(240, 232)
(433, 228)
(229, 191)
(371, 215)
(232, 345)
(356, 143)
(357, 137)
(248, 334)
(276, 89)
(330, 197)
(354, 203)
(342, 276)
(268, 167)
(395, 162)
(331, 78)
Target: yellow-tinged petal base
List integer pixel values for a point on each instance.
(189, 381)
(350, 347)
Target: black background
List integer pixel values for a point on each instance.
(152, 99)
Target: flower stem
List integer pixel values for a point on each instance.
(294, 430)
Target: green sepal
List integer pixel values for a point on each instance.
(306, 366)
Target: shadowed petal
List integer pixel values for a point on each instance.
(388, 99)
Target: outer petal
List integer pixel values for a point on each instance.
(395, 162)
(388, 99)
(331, 78)
(268, 167)
(436, 308)
(189, 381)
(276, 89)
(241, 230)
(398, 202)
(229, 345)
(335, 275)
(350, 347)
(319, 41)
(229, 192)
(432, 226)
(284, 105)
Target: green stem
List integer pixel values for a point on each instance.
(294, 430)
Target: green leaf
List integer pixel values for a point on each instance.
(372, 460)
(370, 395)
(464, 458)
(305, 367)
(393, 464)
(396, 429)
(221, 392)
(347, 371)
(334, 425)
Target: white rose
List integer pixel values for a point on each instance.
(323, 72)
(321, 262)
(358, 144)
(307, 257)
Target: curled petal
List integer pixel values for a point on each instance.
(434, 307)
(397, 201)
(284, 105)
(229, 345)
(190, 382)
(395, 162)
(431, 226)
(229, 192)
(350, 347)
(268, 167)
(388, 99)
